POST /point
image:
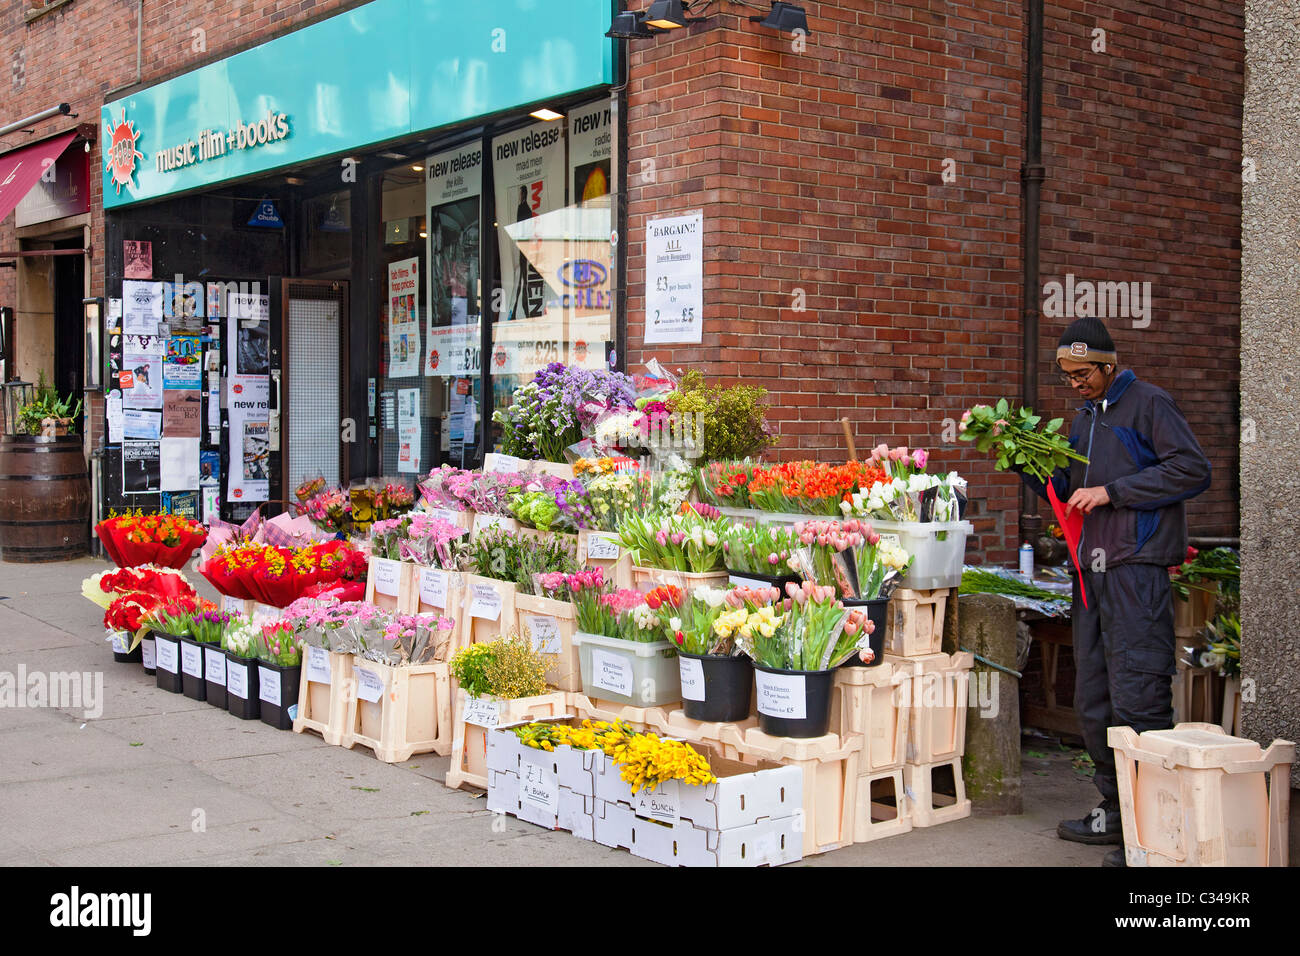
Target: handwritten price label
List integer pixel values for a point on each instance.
(611, 672)
(214, 666)
(603, 547)
(692, 671)
(486, 603)
(147, 654)
(192, 660)
(662, 805)
(781, 695)
(433, 587)
(237, 679)
(481, 712)
(268, 686)
(539, 788)
(370, 686)
(387, 575)
(544, 633)
(318, 665)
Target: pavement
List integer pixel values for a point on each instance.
(159, 779)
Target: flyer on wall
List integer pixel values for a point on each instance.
(178, 463)
(403, 318)
(137, 258)
(141, 378)
(141, 307)
(141, 467)
(453, 191)
(408, 430)
(182, 414)
(183, 366)
(248, 396)
(674, 277)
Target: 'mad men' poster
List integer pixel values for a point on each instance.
(452, 195)
(529, 172)
(404, 353)
(248, 397)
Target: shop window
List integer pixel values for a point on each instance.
(328, 244)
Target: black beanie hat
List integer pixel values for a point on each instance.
(1086, 340)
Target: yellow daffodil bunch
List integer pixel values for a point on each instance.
(646, 759)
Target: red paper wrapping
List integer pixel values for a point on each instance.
(1072, 525)
(125, 553)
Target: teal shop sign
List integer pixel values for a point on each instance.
(385, 70)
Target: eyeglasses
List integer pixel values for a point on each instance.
(1077, 378)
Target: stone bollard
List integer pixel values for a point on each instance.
(991, 765)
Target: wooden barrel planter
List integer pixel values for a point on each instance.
(44, 499)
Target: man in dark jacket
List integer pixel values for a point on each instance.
(1143, 463)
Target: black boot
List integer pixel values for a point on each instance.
(1101, 826)
(1115, 858)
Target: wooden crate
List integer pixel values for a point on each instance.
(1195, 796)
(883, 809)
(914, 622)
(388, 582)
(640, 718)
(326, 706)
(469, 740)
(939, 689)
(1196, 694)
(875, 703)
(647, 579)
(617, 569)
(830, 766)
(461, 519)
(548, 626)
(484, 522)
(411, 713)
(1231, 722)
(435, 591)
(1191, 616)
(482, 596)
(931, 805)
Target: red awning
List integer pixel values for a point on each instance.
(20, 169)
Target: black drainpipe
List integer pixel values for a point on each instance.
(1031, 180)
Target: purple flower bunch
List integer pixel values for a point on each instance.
(208, 626)
(561, 402)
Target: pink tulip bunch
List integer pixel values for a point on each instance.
(898, 462)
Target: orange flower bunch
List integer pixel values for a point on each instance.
(135, 538)
(809, 487)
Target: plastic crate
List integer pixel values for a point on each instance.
(326, 702)
(937, 549)
(410, 712)
(914, 622)
(639, 673)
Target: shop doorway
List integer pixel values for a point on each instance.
(69, 320)
(315, 421)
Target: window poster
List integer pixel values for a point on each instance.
(529, 175)
(404, 353)
(248, 397)
(584, 272)
(590, 148)
(453, 191)
(408, 430)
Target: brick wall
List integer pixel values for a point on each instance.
(1142, 145)
(822, 171)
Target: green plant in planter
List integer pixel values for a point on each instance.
(732, 420)
(47, 404)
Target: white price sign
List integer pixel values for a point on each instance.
(503, 464)
(484, 522)
(214, 665)
(120, 643)
(232, 605)
(167, 655)
(743, 582)
(433, 587)
(147, 654)
(612, 672)
(781, 695)
(539, 787)
(544, 633)
(237, 679)
(603, 547)
(891, 539)
(674, 294)
(387, 574)
(192, 660)
(268, 685)
(660, 805)
(370, 686)
(692, 670)
(447, 515)
(318, 665)
(486, 603)
(481, 712)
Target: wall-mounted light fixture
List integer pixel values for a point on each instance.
(784, 17)
(669, 15)
(545, 114)
(630, 26)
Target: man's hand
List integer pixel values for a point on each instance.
(1085, 499)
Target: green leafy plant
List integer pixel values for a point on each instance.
(1014, 436)
(47, 404)
(732, 421)
(508, 668)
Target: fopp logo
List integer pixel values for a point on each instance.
(119, 158)
(433, 358)
(583, 273)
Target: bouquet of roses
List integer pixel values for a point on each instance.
(164, 540)
(808, 630)
(386, 538)
(128, 595)
(490, 494)
(393, 501)
(418, 638)
(277, 576)
(1017, 440)
(307, 489)
(554, 410)
(328, 509)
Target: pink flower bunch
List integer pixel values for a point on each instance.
(708, 512)
(553, 585)
(591, 579)
(836, 535)
(623, 600)
(898, 462)
(757, 597)
(431, 541)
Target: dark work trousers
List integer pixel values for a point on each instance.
(1123, 659)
